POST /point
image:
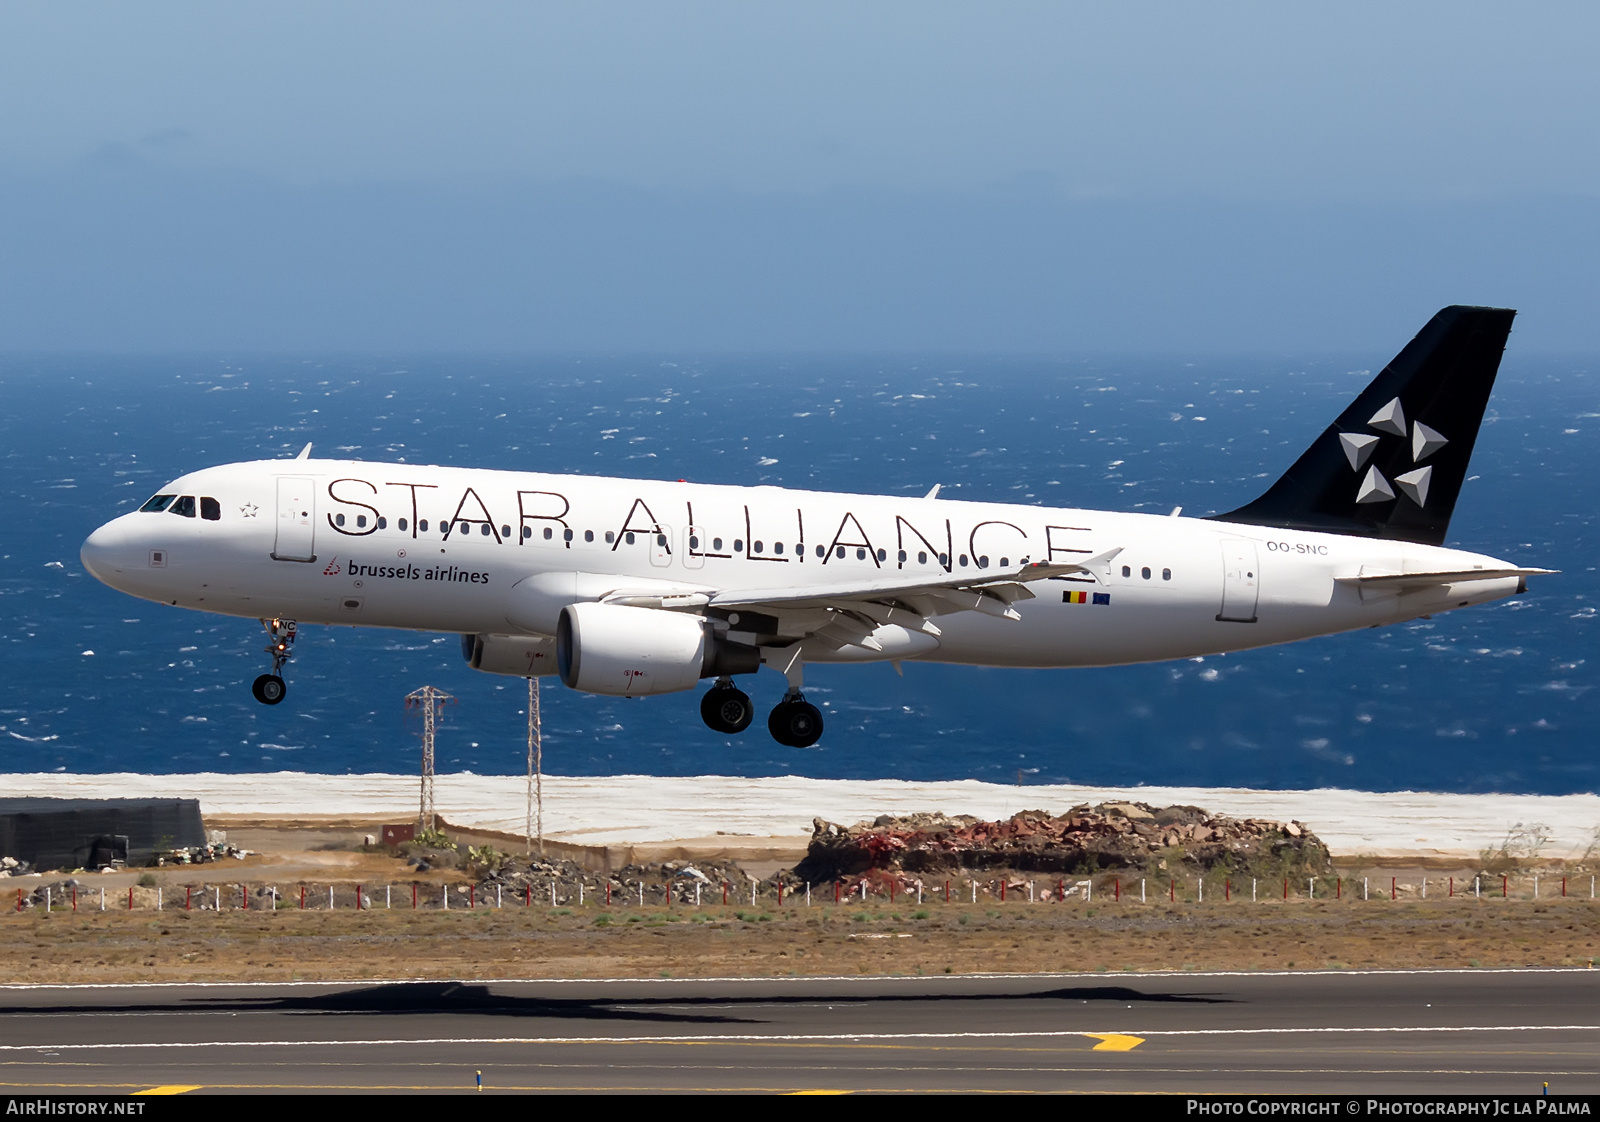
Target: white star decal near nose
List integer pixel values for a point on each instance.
(248, 510)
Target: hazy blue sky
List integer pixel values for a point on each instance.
(698, 175)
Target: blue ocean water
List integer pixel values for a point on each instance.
(1495, 698)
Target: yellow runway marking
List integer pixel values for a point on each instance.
(170, 1089)
(1114, 1041)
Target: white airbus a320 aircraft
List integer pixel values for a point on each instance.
(634, 587)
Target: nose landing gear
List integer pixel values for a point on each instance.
(726, 708)
(270, 688)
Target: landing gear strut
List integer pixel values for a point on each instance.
(270, 688)
(794, 722)
(726, 708)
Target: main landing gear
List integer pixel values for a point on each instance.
(726, 708)
(794, 722)
(270, 688)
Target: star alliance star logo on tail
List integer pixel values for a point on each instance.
(1359, 446)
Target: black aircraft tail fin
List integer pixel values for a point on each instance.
(1393, 463)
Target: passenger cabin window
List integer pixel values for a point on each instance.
(157, 502)
(184, 506)
(210, 510)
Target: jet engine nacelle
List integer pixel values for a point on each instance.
(634, 652)
(525, 656)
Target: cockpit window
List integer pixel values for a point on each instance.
(210, 509)
(157, 502)
(184, 506)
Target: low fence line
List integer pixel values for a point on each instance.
(854, 891)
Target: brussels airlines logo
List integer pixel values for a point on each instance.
(450, 574)
(1359, 446)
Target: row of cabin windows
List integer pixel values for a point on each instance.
(1127, 571)
(630, 538)
(209, 509)
(212, 510)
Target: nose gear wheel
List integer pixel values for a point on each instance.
(269, 689)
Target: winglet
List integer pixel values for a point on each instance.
(933, 494)
(305, 453)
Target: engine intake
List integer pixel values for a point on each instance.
(635, 652)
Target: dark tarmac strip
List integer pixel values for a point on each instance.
(1478, 1032)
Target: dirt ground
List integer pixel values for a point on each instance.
(595, 940)
(541, 942)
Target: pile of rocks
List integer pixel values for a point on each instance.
(1086, 839)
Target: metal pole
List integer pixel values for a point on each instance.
(538, 763)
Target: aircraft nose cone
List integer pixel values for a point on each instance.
(104, 552)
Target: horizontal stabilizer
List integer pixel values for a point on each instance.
(1402, 582)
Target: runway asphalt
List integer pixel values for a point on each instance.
(1347, 1033)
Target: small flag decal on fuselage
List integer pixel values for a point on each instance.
(1084, 598)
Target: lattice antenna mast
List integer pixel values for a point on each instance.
(428, 702)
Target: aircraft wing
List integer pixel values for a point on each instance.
(1003, 586)
(848, 612)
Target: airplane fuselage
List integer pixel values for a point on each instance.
(460, 550)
